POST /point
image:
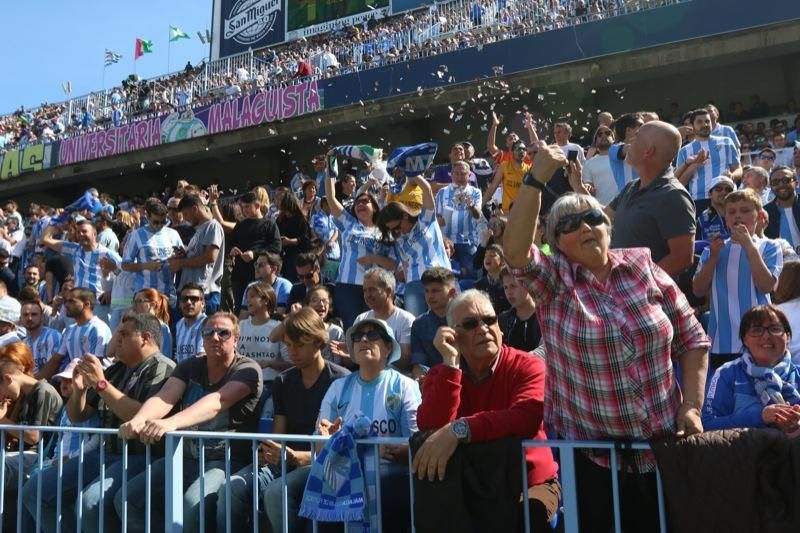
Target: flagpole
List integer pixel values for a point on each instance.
(169, 45)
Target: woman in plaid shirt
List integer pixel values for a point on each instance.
(613, 325)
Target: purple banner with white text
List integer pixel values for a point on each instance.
(251, 110)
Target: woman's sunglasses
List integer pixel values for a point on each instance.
(570, 223)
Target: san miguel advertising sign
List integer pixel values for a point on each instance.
(243, 24)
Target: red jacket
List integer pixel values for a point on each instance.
(509, 403)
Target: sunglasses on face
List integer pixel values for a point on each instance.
(570, 223)
(520, 149)
(372, 335)
(473, 322)
(781, 181)
(190, 299)
(223, 333)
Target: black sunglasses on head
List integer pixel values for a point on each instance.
(570, 223)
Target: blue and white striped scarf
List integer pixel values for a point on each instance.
(336, 490)
(772, 385)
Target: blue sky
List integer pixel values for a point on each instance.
(50, 42)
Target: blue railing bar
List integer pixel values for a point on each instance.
(59, 482)
(254, 458)
(526, 512)
(20, 477)
(615, 492)
(580, 444)
(40, 465)
(79, 501)
(376, 448)
(2, 470)
(569, 493)
(202, 465)
(173, 517)
(284, 492)
(314, 524)
(102, 478)
(411, 488)
(228, 487)
(148, 477)
(662, 514)
(124, 486)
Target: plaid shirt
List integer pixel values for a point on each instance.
(610, 347)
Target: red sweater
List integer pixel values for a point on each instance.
(509, 403)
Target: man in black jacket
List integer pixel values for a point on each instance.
(784, 210)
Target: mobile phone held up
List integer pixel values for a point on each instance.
(572, 155)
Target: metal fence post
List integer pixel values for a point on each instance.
(173, 517)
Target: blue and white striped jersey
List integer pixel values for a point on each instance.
(423, 247)
(357, 241)
(621, 170)
(92, 337)
(452, 204)
(86, 265)
(43, 346)
(723, 130)
(144, 246)
(188, 341)
(722, 154)
(733, 291)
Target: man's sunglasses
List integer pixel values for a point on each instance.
(373, 335)
(190, 299)
(473, 322)
(781, 181)
(570, 223)
(223, 333)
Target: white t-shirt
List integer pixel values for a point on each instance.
(400, 321)
(254, 343)
(792, 311)
(572, 146)
(597, 171)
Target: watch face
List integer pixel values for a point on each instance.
(460, 429)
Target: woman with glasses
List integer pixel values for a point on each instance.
(418, 240)
(613, 323)
(155, 303)
(760, 388)
(389, 400)
(361, 246)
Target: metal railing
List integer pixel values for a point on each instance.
(175, 445)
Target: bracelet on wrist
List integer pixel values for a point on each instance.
(531, 181)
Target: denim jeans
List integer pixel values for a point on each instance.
(213, 478)
(68, 494)
(348, 302)
(213, 301)
(108, 487)
(241, 485)
(295, 486)
(414, 298)
(464, 253)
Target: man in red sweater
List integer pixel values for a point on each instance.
(482, 392)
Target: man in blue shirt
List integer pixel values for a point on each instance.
(440, 288)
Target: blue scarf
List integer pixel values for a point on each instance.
(772, 384)
(414, 160)
(335, 490)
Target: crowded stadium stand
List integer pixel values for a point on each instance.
(475, 265)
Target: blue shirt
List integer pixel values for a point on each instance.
(324, 227)
(357, 241)
(711, 223)
(188, 341)
(732, 401)
(423, 247)
(43, 346)
(722, 155)
(621, 170)
(733, 291)
(282, 288)
(423, 330)
(452, 204)
(144, 246)
(92, 337)
(86, 266)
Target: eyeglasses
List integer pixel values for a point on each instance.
(776, 330)
(520, 149)
(767, 157)
(781, 181)
(190, 299)
(473, 322)
(570, 223)
(363, 201)
(319, 301)
(308, 276)
(223, 333)
(373, 335)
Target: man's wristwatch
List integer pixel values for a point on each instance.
(530, 180)
(460, 429)
(101, 385)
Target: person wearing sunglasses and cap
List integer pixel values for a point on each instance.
(483, 391)
(612, 323)
(711, 222)
(219, 392)
(389, 399)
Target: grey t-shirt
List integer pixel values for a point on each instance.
(40, 407)
(207, 276)
(648, 217)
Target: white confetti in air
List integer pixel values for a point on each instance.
(540, 97)
(158, 163)
(594, 91)
(361, 102)
(363, 127)
(446, 132)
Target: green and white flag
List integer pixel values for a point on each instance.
(176, 33)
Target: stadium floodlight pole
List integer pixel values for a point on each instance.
(169, 45)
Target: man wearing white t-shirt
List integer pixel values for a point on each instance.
(597, 170)
(379, 286)
(562, 132)
(784, 210)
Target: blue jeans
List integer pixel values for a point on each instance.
(295, 486)
(414, 298)
(213, 477)
(213, 300)
(109, 486)
(69, 491)
(349, 302)
(464, 253)
(241, 484)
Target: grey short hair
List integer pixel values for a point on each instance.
(570, 204)
(385, 278)
(464, 163)
(761, 172)
(145, 322)
(470, 295)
